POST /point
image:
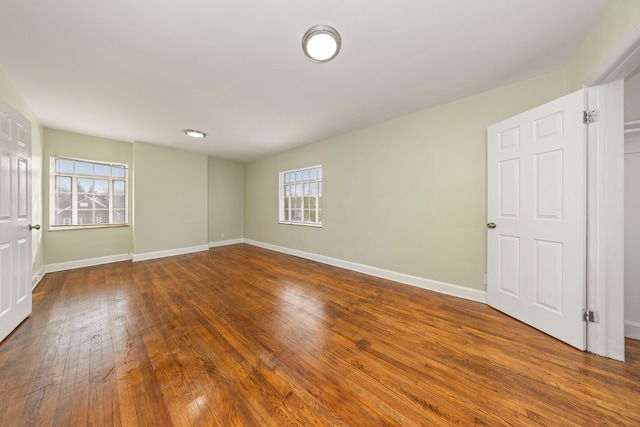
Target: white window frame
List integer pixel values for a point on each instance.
(76, 221)
(282, 217)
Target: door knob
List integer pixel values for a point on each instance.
(491, 225)
(34, 227)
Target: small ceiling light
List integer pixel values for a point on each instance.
(195, 133)
(321, 43)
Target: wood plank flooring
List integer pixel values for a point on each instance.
(241, 336)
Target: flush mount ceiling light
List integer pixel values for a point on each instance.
(321, 43)
(195, 133)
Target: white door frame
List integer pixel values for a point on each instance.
(605, 193)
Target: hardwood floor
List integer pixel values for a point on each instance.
(240, 336)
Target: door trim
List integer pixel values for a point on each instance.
(605, 194)
(605, 220)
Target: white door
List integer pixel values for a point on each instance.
(15, 216)
(537, 218)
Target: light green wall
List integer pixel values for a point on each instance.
(225, 199)
(74, 245)
(407, 195)
(170, 198)
(9, 94)
(613, 26)
(170, 205)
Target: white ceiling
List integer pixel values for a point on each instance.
(144, 70)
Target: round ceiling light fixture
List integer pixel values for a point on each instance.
(195, 133)
(321, 43)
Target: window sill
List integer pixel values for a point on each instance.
(304, 224)
(85, 227)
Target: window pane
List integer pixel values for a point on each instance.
(299, 176)
(298, 190)
(286, 204)
(306, 189)
(98, 218)
(63, 202)
(118, 187)
(84, 168)
(119, 202)
(296, 215)
(101, 186)
(319, 173)
(312, 216)
(286, 178)
(65, 166)
(101, 201)
(313, 173)
(119, 217)
(117, 171)
(305, 175)
(63, 184)
(63, 217)
(306, 215)
(311, 203)
(85, 203)
(85, 185)
(286, 191)
(101, 216)
(102, 170)
(313, 189)
(85, 217)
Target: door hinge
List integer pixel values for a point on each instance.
(590, 316)
(590, 116)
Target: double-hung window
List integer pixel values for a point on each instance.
(86, 193)
(301, 196)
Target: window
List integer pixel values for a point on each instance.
(86, 193)
(301, 196)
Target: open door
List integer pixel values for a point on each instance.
(15, 217)
(536, 240)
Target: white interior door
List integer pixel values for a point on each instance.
(537, 201)
(15, 217)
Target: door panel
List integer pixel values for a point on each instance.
(509, 268)
(536, 198)
(548, 188)
(548, 283)
(509, 188)
(15, 216)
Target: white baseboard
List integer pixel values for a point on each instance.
(171, 252)
(225, 243)
(432, 285)
(632, 329)
(70, 265)
(37, 277)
